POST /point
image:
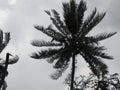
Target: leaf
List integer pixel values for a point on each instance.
(59, 73)
(102, 36)
(50, 32)
(12, 60)
(1, 37)
(44, 53)
(58, 23)
(4, 41)
(48, 12)
(87, 28)
(42, 43)
(81, 8)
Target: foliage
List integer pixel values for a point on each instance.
(91, 82)
(4, 40)
(71, 37)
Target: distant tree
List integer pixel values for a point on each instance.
(4, 40)
(91, 82)
(71, 37)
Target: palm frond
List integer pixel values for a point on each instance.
(96, 64)
(90, 18)
(91, 64)
(59, 72)
(70, 16)
(4, 41)
(51, 32)
(87, 21)
(100, 37)
(96, 51)
(61, 65)
(7, 38)
(48, 12)
(12, 60)
(59, 55)
(53, 58)
(87, 28)
(57, 35)
(1, 37)
(59, 24)
(44, 53)
(42, 43)
(80, 11)
(102, 67)
(63, 60)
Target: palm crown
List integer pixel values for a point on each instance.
(4, 40)
(71, 36)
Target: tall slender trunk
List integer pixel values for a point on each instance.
(73, 71)
(5, 69)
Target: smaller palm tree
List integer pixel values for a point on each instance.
(4, 40)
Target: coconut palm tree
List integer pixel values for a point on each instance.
(71, 37)
(4, 40)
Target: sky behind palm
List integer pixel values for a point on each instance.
(19, 16)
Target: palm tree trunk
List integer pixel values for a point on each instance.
(73, 71)
(5, 69)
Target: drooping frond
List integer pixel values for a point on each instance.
(42, 43)
(62, 64)
(87, 28)
(91, 65)
(51, 32)
(63, 52)
(100, 37)
(100, 65)
(59, 72)
(63, 60)
(95, 64)
(44, 53)
(96, 51)
(53, 58)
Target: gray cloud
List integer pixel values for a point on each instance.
(114, 14)
(30, 74)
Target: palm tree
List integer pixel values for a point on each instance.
(70, 37)
(4, 40)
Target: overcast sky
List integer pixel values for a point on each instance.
(19, 16)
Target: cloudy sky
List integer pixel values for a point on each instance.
(19, 16)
